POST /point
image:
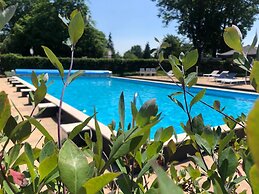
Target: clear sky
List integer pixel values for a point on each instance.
(135, 22)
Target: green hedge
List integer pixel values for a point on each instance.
(117, 66)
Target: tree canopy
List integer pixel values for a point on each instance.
(203, 22)
(40, 25)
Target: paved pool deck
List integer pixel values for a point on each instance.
(22, 105)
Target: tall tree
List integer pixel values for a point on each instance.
(174, 45)
(146, 52)
(41, 26)
(203, 21)
(137, 51)
(110, 46)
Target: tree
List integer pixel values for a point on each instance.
(92, 44)
(175, 45)
(41, 26)
(146, 52)
(203, 22)
(110, 46)
(134, 52)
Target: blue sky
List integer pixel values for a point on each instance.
(135, 22)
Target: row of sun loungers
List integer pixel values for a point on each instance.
(147, 71)
(224, 77)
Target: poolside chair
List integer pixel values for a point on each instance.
(142, 71)
(152, 71)
(231, 79)
(221, 74)
(213, 73)
(170, 73)
(148, 71)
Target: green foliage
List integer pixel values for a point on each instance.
(28, 30)
(203, 22)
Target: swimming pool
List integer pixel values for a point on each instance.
(85, 93)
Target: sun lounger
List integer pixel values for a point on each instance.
(142, 71)
(152, 71)
(212, 74)
(148, 71)
(225, 77)
(222, 74)
(170, 73)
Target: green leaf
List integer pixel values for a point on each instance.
(191, 79)
(190, 59)
(148, 109)
(22, 159)
(254, 177)
(9, 126)
(40, 127)
(40, 93)
(13, 154)
(29, 158)
(75, 75)
(153, 149)
(21, 132)
(252, 131)
(166, 134)
(173, 60)
(216, 105)
(122, 110)
(99, 138)
(5, 110)
(198, 97)
(34, 79)
(54, 60)
(166, 185)
(73, 167)
(254, 76)
(6, 15)
(48, 149)
(161, 56)
(225, 141)
(76, 27)
(95, 184)
(232, 38)
(178, 73)
(47, 166)
(254, 41)
(227, 163)
(178, 103)
(125, 147)
(79, 128)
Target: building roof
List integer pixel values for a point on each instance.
(252, 52)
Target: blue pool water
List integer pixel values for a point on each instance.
(85, 93)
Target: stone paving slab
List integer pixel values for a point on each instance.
(22, 105)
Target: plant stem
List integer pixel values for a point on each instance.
(62, 96)
(225, 115)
